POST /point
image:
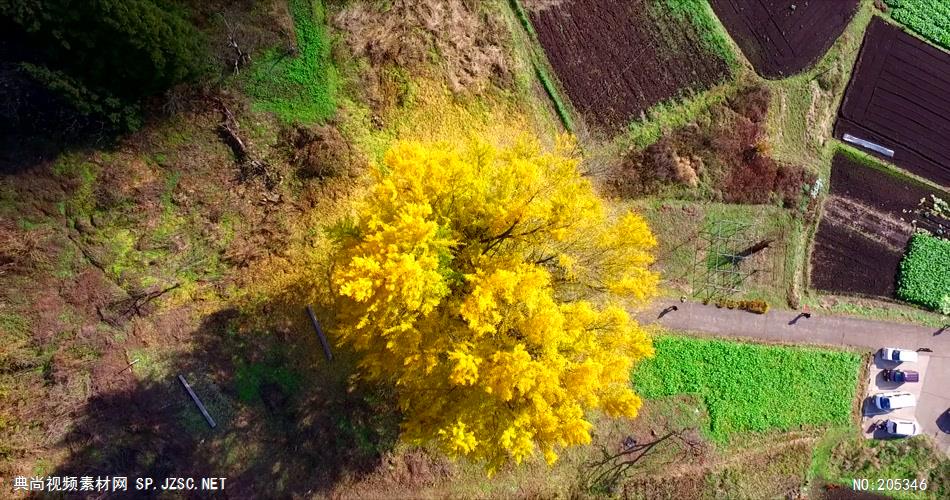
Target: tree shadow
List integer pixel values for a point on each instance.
(36, 124)
(605, 474)
(886, 385)
(869, 409)
(288, 423)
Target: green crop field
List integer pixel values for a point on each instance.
(925, 273)
(750, 387)
(929, 18)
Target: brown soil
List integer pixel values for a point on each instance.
(784, 37)
(864, 230)
(893, 195)
(884, 229)
(898, 98)
(846, 261)
(616, 60)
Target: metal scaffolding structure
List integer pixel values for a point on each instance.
(717, 263)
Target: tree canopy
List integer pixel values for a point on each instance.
(102, 54)
(490, 285)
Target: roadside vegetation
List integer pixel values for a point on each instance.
(843, 459)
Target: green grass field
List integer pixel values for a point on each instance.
(853, 457)
(750, 387)
(301, 87)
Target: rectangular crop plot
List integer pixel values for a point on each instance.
(925, 273)
(899, 99)
(864, 230)
(616, 59)
(783, 37)
(750, 387)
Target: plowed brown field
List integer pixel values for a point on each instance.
(616, 59)
(864, 229)
(899, 98)
(783, 37)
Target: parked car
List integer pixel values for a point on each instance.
(898, 427)
(898, 355)
(901, 376)
(888, 401)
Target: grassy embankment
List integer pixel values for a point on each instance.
(843, 456)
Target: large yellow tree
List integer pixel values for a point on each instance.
(490, 286)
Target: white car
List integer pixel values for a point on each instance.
(888, 401)
(898, 355)
(897, 427)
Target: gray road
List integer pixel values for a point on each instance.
(782, 326)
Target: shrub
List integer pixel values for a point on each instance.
(662, 159)
(728, 151)
(752, 102)
(321, 151)
(733, 135)
(924, 276)
(758, 177)
(753, 306)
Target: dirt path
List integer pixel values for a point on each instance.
(782, 326)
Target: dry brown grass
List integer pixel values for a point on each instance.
(19, 249)
(454, 35)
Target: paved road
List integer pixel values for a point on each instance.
(781, 326)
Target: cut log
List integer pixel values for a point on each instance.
(198, 403)
(320, 335)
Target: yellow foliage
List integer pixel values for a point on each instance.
(435, 114)
(490, 286)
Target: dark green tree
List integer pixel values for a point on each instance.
(106, 54)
